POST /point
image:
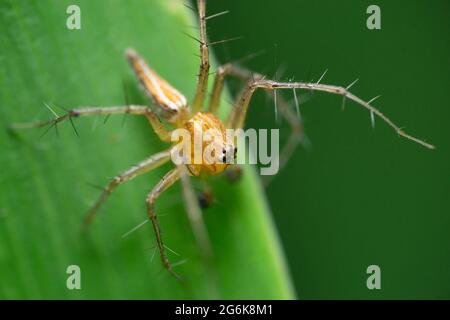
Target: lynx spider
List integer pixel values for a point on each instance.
(173, 108)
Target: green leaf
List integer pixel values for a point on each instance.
(45, 181)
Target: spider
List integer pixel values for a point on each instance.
(171, 107)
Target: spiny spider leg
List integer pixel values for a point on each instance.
(204, 62)
(240, 111)
(297, 133)
(170, 178)
(156, 124)
(142, 167)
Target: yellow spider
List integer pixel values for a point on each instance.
(172, 107)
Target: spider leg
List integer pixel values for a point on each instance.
(297, 133)
(199, 228)
(205, 197)
(204, 61)
(156, 124)
(142, 167)
(219, 82)
(239, 113)
(170, 178)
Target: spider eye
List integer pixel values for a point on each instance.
(224, 158)
(224, 151)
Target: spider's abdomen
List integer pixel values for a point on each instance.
(211, 152)
(169, 102)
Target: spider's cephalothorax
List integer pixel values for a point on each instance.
(216, 150)
(172, 107)
(206, 131)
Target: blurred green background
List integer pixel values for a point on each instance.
(360, 196)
